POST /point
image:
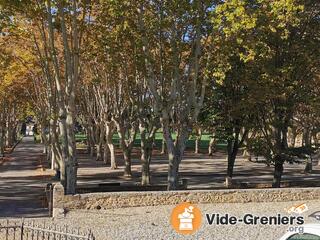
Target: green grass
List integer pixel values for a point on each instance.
(204, 143)
(37, 138)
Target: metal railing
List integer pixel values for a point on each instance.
(13, 230)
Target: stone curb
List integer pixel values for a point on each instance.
(111, 200)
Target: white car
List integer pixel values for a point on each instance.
(303, 232)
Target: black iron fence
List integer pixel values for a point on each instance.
(13, 230)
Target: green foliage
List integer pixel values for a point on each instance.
(265, 66)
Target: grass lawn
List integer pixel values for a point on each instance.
(204, 143)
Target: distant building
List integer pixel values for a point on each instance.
(29, 129)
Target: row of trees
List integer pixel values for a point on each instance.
(270, 73)
(246, 70)
(13, 92)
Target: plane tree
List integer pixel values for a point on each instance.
(56, 27)
(174, 38)
(15, 84)
(266, 62)
(289, 73)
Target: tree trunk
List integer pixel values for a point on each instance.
(315, 138)
(56, 164)
(146, 143)
(233, 148)
(72, 164)
(231, 161)
(88, 138)
(145, 161)
(53, 159)
(306, 137)
(127, 161)
(55, 154)
(1, 141)
(284, 132)
(127, 137)
(65, 87)
(113, 162)
(293, 137)
(99, 150)
(278, 171)
(175, 152)
(197, 141)
(173, 169)
(308, 166)
(246, 154)
(105, 153)
(44, 141)
(211, 148)
(100, 137)
(9, 140)
(196, 145)
(163, 146)
(109, 134)
(91, 141)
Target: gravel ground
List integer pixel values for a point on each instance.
(152, 223)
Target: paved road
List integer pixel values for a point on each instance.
(21, 184)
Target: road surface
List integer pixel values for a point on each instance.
(21, 183)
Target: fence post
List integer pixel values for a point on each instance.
(49, 196)
(57, 199)
(7, 229)
(90, 236)
(22, 229)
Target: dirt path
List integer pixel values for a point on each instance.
(201, 171)
(21, 183)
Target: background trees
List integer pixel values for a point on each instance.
(135, 68)
(16, 63)
(261, 62)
